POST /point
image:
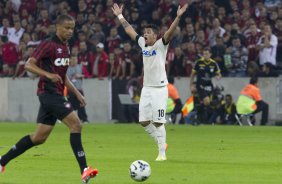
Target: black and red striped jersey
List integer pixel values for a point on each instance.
(53, 56)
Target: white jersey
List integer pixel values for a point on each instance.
(154, 58)
(268, 54)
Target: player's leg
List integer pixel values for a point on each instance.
(38, 137)
(74, 125)
(145, 113)
(203, 107)
(159, 102)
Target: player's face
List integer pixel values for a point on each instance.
(150, 36)
(65, 30)
(206, 55)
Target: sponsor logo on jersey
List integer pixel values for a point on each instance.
(59, 50)
(62, 61)
(147, 53)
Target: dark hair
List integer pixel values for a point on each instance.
(206, 49)
(253, 80)
(269, 65)
(63, 18)
(228, 95)
(153, 27)
(170, 79)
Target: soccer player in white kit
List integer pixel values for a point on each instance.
(154, 93)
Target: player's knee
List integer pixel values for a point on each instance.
(37, 140)
(76, 127)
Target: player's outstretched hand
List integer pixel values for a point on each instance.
(181, 10)
(116, 9)
(55, 78)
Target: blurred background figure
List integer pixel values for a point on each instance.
(228, 111)
(75, 75)
(174, 105)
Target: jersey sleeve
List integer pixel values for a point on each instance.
(42, 50)
(217, 70)
(141, 41)
(196, 67)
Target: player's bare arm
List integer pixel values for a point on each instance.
(218, 76)
(32, 67)
(73, 89)
(117, 10)
(193, 74)
(169, 33)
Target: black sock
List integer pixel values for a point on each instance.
(75, 140)
(24, 144)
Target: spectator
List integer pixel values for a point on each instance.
(10, 56)
(100, 61)
(99, 35)
(215, 31)
(43, 24)
(278, 33)
(113, 40)
(239, 55)
(20, 71)
(76, 76)
(16, 33)
(127, 61)
(189, 35)
(177, 38)
(268, 70)
(253, 34)
(115, 62)
(134, 88)
(267, 46)
(218, 51)
(190, 57)
(85, 58)
(176, 67)
(250, 101)
(5, 29)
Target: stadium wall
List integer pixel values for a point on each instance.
(18, 100)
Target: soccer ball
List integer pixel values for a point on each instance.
(140, 170)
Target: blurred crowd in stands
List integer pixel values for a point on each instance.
(245, 36)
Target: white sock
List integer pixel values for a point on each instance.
(151, 130)
(161, 137)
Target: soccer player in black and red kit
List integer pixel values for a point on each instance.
(50, 61)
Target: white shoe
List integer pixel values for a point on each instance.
(161, 158)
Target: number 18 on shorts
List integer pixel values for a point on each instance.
(152, 104)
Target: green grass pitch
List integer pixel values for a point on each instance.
(196, 155)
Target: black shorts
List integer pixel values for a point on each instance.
(74, 100)
(53, 107)
(203, 93)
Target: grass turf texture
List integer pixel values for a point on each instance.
(196, 155)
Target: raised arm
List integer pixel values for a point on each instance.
(127, 27)
(169, 33)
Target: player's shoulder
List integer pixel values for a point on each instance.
(199, 60)
(213, 61)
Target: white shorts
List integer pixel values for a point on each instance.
(152, 105)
